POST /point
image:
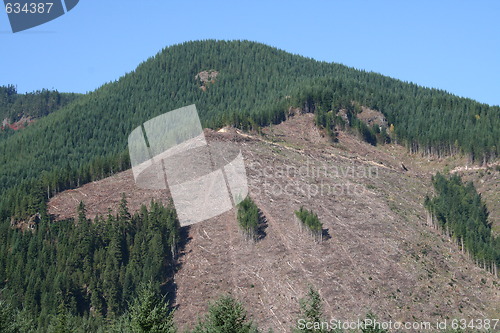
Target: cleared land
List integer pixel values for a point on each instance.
(378, 256)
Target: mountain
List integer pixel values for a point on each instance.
(378, 253)
(65, 255)
(255, 86)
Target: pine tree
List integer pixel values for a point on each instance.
(149, 313)
(459, 212)
(311, 312)
(310, 220)
(61, 322)
(371, 325)
(7, 316)
(248, 218)
(226, 315)
(123, 213)
(81, 213)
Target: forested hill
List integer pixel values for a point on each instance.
(242, 83)
(15, 106)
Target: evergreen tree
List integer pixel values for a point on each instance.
(459, 212)
(81, 213)
(311, 312)
(226, 315)
(371, 325)
(7, 316)
(150, 313)
(61, 322)
(310, 220)
(248, 218)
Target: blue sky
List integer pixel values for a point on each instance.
(452, 45)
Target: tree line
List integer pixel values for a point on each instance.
(458, 211)
(87, 139)
(427, 121)
(87, 268)
(309, 220)
(248, 217)
(35, 104)
(149, 313)
(255, 87)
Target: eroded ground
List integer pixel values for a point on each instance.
(378, 255)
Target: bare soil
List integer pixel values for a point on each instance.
(103, 197)
(378, 255)
(372, 117)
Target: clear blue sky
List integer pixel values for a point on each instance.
(452, 45)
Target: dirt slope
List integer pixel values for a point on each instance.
(378, 256)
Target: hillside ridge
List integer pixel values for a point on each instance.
(381, 256)
(255, 87)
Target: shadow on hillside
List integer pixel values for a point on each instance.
(169, 288)
(261, 229)
(325, 234)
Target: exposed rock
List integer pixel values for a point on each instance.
(206, 78)
(372, 117)
(343, 114)
(23, 225)
(23, 121)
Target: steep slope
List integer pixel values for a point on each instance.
(378, 255)
(255, 86)
(487, 181)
